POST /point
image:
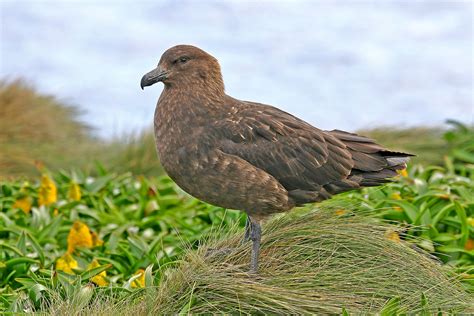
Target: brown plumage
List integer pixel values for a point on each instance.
(250, 156)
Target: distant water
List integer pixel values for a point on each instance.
(336, 64)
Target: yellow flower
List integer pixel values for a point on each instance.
(55, 212)
(140, 281)
(340, 212)
(74, 192)
(66, 263)
(470, 220)
(47, 193)
(98, 279)
(403, 172)
(392, 235)
(23, 203)
(79, 236)
(396, 196)
(96, 241)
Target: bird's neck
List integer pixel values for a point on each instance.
(193, 98)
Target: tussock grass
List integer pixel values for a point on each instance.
(38, 127)
(317, 262)
(134, 153)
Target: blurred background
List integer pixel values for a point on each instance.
(70, 71)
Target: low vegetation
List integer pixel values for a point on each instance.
(434, 203)
(37, 127)
(313, 263)
(118, 230)
(101, 240)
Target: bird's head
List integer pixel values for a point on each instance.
(185, 66)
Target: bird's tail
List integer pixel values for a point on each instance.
(373, 164)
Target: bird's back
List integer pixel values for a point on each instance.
(311, 164)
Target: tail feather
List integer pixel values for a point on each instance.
(373, 164)
(398, 162)
(368, 162)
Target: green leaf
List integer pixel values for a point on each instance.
(36, 247)
(16, 261)
(451, 249)
(99, 183)
(94, 271)
(423, 214)
(410, 210)
(27, 282)
(21, 244)
(446, 237)
(186, 310)
(50, 230)
(128, 285)
(441, 214)
(149, 276)
(391, 307)
(463, 155)
(138, 243)
(12, 248)
(424, 305)
(36, 292)
(116, 264)
(464, 225)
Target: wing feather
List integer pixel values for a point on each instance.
(300, 156)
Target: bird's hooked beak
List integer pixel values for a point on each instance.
(154, 76)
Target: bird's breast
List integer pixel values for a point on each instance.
(177, 137)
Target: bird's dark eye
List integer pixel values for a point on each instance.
(181, 60)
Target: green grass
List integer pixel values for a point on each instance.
(133, 153)
(311, 263)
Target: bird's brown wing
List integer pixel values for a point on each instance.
(301, 157)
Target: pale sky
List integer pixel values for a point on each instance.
(336, 64)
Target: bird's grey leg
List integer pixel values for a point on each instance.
(255, 236)
(248, 228)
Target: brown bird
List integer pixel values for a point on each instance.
(250, 156)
